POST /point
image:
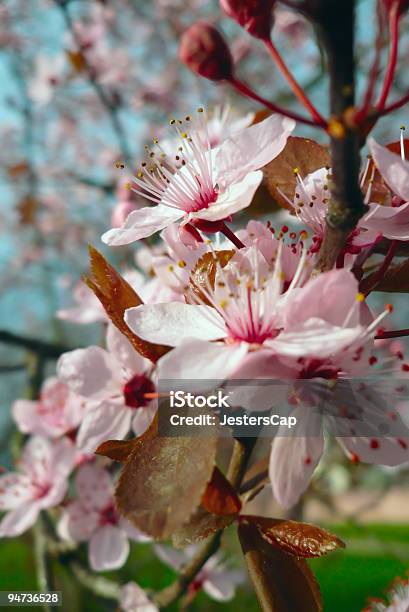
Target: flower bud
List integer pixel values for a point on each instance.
(255, 16)
(121, 212)
(204, 50)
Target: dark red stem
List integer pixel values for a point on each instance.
(378, 276)
(397, 333)
(394, 18)
(295, 86)
(249, 93)
(230, 235)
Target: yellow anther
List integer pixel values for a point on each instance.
(182, 264)
(223, 304)
(360, 297)
(336, 129)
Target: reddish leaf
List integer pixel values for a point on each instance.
(200, 526)
(19, 169)
(163, 481)
(204, 272)
(395, 280)
(220, 496)
(77, 60)
(27, 209)
(295, 538)
(118, 450)
(301, 153)
(116, 295)
(282, 583)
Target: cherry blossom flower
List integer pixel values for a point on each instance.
(398, 599)
(117, 386)
(134, 599)
(216, 580)
(93, 517)
(41, 482)
(49, 73)
(306, 329)
(57, 411)
(88, 308)
(202, 184)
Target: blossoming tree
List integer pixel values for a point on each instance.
(215, 301)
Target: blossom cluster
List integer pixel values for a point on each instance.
(264, 312)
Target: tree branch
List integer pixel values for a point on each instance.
(47, 350)
(335, 23)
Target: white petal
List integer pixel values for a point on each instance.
(19, 520)
(393, 169)
(108, 548)
(237, 196)
(293, 460)
(171, 323)
(15, 490)
(134, 599)
(103, 421)
(315, 338)
(196, 360)
(252, 148)
(77, 523)
(142, 223)
(380, 450)
(90, 372)
(119, 346)
(143, 418)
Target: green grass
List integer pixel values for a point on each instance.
(374, 556)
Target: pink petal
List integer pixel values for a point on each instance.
(15, 490)
(329, 297)
(198, 360)
(252, 148)
(120, 347)
(143, 418)
(106, 420)
(142, 223)
(17, 521)
(77, 523)
(90, 372)
(394, 170)
(235, 198)
(377, 450)
(134, 599)
(108, 548)
(171, 323)
(390, 221)
(94, 486)
(293, 460)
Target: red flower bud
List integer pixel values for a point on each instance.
(204, 50)
(255, 16)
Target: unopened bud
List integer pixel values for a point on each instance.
(255, 16)
(204, 50)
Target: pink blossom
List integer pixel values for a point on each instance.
(93, 517)
(202, 183)
(134, 599)
(216, 580)
(49, 73)
(115, 382)
(88, 308)
(56, 412)
(41, 482)
(398, 599)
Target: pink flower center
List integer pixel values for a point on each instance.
(109, 515)
(136, 390)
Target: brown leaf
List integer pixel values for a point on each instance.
(116, 295)
(77, 60)
(19, 169)
(118, 450)
(295, 538)
(220, 496)
(302, 153)
(27, 209)
(163, 481)
(204, 272)
(395, 280)
(282, 583)
(200, 526)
